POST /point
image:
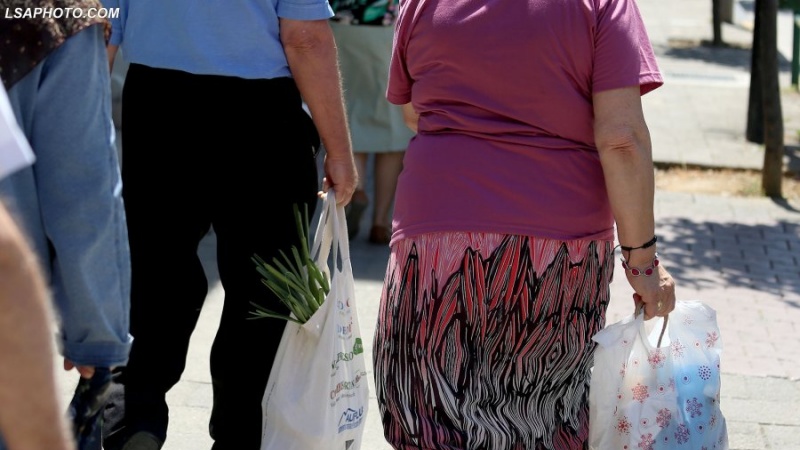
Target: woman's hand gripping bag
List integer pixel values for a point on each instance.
(660, 391)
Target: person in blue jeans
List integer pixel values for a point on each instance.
(214, 134)
(30, 413)
(69, 202)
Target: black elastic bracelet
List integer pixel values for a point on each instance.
(647, 244)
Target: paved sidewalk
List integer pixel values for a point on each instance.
(739, 255)
(699, 116)
(705, 239)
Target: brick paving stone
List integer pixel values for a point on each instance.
(781, 437)
(781, 251)
(743, 435)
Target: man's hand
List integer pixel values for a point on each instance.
(342, 176)
(85, 371)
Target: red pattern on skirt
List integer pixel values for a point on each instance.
(484, 341)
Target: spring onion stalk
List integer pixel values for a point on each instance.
(297, 280)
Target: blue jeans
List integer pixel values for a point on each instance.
(70, 201)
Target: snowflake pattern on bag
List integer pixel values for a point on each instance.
(711, 339)
(647, 442)
(656, 358)
(672, 401)
(640, 393)
(677, 348)
(664, 417)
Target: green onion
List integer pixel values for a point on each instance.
(297, 281)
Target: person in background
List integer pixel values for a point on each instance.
(31, 416)
(363, 30)
(531, 147)
(69, 202)
(214, 134)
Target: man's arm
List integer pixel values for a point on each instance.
(115, 39)
(111, 51)
(311, 53)
(30, 415)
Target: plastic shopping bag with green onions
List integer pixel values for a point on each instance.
(317, 394)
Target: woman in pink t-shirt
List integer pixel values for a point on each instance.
(531, 147)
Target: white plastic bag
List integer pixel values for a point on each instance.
(317, 395)
(649, 397)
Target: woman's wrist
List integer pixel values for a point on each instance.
(646, 269)
(638, 252)
(650, 243)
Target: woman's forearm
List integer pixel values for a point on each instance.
(623, 143)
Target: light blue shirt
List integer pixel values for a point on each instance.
(214, 37)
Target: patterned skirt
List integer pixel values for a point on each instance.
(484, 341)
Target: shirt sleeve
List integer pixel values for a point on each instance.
(398, 90)
(623, 53)
(115, 17)
(15, 152)
(304, 9)
(85, 223)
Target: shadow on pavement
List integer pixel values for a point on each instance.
(707, 255)
(702, 255)
(731, 55)
(785, 204)
(792, 158)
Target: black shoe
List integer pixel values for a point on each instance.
(86, 408)
(143, 440)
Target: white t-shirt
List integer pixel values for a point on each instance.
(15, 152)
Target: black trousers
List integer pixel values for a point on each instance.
(204, 151)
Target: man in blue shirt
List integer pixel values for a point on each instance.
(214, 134)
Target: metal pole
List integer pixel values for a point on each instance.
(796, 47)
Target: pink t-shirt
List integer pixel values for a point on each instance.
(504, 91)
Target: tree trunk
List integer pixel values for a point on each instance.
(772, 173)
(716, 15)
(755, 106)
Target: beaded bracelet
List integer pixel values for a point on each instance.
(636, 271)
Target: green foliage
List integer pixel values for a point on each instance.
(297, 280)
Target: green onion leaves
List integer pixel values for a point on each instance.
(297, 280)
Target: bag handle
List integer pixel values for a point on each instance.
(341, 241)
(331, 234)
(640, 310)
(323, 238)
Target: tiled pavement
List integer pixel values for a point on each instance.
(739, 255)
